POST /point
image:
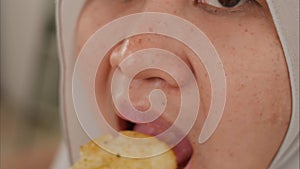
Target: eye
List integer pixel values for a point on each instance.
(223, 3)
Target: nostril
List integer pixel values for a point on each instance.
(158, 77)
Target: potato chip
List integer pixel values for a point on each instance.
(94, 157)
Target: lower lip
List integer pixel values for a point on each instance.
(188, 166)
(154, 129)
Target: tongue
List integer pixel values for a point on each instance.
(183, 150)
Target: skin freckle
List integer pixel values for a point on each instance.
(140, 41)
(250, 52)
(274, 119)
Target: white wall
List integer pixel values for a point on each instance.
(22, 26)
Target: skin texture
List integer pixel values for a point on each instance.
(258, 105)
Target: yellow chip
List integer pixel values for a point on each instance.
(94, 157)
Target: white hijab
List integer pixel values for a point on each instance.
(286, 18)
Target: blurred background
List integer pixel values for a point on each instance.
(30, 126)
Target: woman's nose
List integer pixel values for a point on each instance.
(158, 48)
(129, 46)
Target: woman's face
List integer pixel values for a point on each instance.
(258, 103)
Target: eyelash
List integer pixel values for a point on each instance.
(216, 10)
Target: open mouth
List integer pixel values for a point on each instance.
(183, 150)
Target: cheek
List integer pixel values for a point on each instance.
(258, 105)
(258, 90)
